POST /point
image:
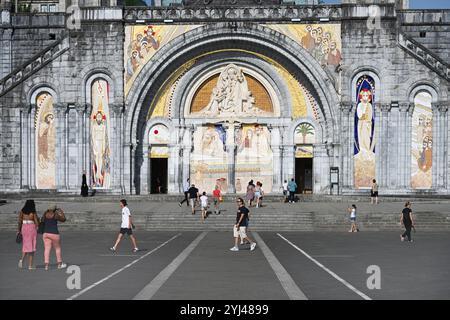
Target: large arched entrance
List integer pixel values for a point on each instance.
(279, 81)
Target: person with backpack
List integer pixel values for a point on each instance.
(292, 187)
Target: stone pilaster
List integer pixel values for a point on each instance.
(321, 167)
(277, 172)
(382, 142)
(60, 154)
(443, 152)
(404, 156)
(231, 156)
(347, 144)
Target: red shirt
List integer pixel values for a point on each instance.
(216, 193)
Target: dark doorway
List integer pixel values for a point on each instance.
(158, 175)
(303, 175)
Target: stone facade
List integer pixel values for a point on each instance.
(46, 54)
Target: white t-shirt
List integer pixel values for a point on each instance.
(125, 217)
(353, 213)
(285, 186)
(204, 201)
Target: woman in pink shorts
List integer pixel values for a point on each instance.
(51, 235)
(28, 223)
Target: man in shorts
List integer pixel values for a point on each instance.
(240, 227)
(126, 227)
(193, 196)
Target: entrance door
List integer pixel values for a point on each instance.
(158, 175)
(303, 175)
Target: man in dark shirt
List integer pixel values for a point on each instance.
(241, 226)
(407, 221)
(193, 195)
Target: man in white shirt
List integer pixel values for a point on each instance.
(126, 227)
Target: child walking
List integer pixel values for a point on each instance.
(204, 205)
(354, 227)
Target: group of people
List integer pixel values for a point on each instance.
(30, 225)
(192, 197)
(254, 194)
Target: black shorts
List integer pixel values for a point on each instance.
(126, 231)
(374, 193)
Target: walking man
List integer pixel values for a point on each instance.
(285, 190)
(241, 226)
(186, 186)
(406, 219)
(193, 196)
(126, 227)
(292, 187)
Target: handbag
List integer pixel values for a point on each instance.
(41, 227)
(19, 238)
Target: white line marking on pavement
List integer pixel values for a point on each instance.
(119, 255)
(288, 284)
(150, 289)
(334, 275)
(121, 269)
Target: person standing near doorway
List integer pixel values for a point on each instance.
(406, 219)
(239, 230)
(186, 186)
(126, 227)
(285, 190)
(292, 187)
(193, 196)
(374, 192)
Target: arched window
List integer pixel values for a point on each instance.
(45, 141)
(422, 142)
(100, 135)
(364, 144)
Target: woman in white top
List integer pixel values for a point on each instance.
(204, 205)
(126, 227)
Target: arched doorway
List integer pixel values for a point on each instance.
(304, 139)
(158, 159)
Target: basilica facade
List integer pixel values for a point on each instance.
(223, 92)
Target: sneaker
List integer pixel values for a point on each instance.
(31, 268)
(135, 250)
(242, 242)
(112, 249)
(62, 265)
(253, 246)
(411, 240)
(234, 249)
(46, 267)
(20, 264)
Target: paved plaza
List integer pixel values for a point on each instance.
(199, 266)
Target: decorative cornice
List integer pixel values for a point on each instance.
(255, 13)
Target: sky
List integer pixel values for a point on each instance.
(418, 4)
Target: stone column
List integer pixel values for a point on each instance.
(436, 145)
(60, 152)
(346, 152)
(87, 142)
(321, 170)
(116, 145)
(403, 160)
(351, 146)
(26, 161)
(443, 153)
(231, 156)
(174, 151)
(277, 175)
(382, 156)
(187, 149)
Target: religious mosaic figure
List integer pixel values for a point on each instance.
(422, 142)
(46, 141)
(364, 146)
(100, 151)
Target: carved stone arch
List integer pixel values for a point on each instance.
(162, 121)
(218, 61)
(92, 77)
(373, 73)
(317, 127)
(290, 54)
(423, 86)
(112, 75)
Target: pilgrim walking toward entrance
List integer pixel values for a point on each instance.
(51, 235)
(204, 206)
(239, 230)
(292, 187)
(217, 198)
(374, 192)
(406, 219)
(186, 186)
(250, 195)
(126, 227)
(193, 196)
